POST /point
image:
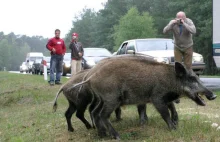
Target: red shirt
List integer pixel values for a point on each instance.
(58, 44)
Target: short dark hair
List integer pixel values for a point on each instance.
(57, 30)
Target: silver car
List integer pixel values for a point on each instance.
(162, 50)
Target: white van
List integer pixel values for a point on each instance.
(31, 57)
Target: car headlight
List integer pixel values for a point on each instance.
(197, 59)
(162, 60)
(91, 63)
(67, 65)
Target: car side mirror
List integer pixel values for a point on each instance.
(130, 52)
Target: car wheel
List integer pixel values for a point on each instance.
(21, 71)
(64, 73)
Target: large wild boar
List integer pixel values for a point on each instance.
(137, 80)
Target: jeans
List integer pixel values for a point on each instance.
(56, 65)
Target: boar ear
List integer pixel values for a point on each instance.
(180, 69)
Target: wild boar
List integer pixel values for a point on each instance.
(138, 80)
(78, 101)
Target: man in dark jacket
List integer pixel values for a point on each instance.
(76, 54)
(57, 47)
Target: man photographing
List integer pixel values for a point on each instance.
(182, 29)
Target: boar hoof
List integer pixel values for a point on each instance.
(177, 101)
(88, 126)
(102, 134)
(172, 127)
(117, 138)
(118, 119)
(143, 122)
(175, 122)
(70, 129)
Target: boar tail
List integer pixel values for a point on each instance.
(81, 83)
(55, 102)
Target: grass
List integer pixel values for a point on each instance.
(26, 115)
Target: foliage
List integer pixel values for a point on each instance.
(134, 25)
(104, 24)
(14, 48)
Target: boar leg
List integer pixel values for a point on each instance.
(91, 108)
(142, 113)
(105, 114)
(68, 114)
(174, 115)
(162, 108)
(98, 121)
(118, 114)
(80, 114)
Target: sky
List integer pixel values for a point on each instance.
(42, 17)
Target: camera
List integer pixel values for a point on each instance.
(179, 21)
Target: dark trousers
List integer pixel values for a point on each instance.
(56, 65)
(184, 56)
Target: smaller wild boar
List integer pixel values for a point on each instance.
(137, 80)
(78, 101)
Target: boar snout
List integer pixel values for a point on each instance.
(211, 96)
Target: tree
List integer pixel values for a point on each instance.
(134, 25)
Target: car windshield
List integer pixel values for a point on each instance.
(67, 57)
(24, 63)
(151, 45)
(97, 53)
(35, 58)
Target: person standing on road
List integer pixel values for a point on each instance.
(76, 54)
(57, 47)
(182, 29)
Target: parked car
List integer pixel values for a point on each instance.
(66, 64)
(36, 66)
(162, 50)
(47, 59)
(23, 67)
(31, 57)
(93, 55)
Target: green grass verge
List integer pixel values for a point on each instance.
(26, 115)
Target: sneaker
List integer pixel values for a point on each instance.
(51, 83)
(58, 83)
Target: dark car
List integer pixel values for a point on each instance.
(66, 63)
(162, 50)
(47, 59)
(93, 55)
(36, 66)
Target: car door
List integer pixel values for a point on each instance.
(130, 47)
(122, 49)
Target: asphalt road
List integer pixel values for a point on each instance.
(211, 83)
